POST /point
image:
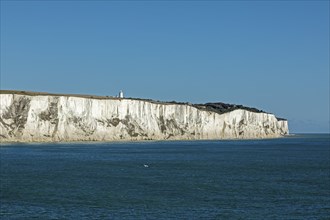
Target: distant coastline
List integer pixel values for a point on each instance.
(27, 116)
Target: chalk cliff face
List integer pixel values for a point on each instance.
(39, 118)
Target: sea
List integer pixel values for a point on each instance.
(285, 178)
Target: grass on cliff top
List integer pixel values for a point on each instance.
(30, 93)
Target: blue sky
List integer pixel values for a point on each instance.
(273, 55)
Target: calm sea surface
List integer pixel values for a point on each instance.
(286, 178)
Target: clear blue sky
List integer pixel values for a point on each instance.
(273, 55)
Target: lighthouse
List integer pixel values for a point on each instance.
(121, 94)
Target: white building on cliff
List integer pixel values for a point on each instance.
(121, 94)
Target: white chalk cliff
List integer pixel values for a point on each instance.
(48, 118)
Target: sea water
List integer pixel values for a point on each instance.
(286, 178)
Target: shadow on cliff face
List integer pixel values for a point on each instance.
(51, 114)
(169, 127)
(133, 128)
(15, 117)
(81, 123)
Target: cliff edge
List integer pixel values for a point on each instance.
(43, 117)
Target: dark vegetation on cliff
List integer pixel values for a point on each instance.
(217, 107)
(220, 107)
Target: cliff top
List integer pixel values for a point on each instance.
(217, 107)
(31, 93)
